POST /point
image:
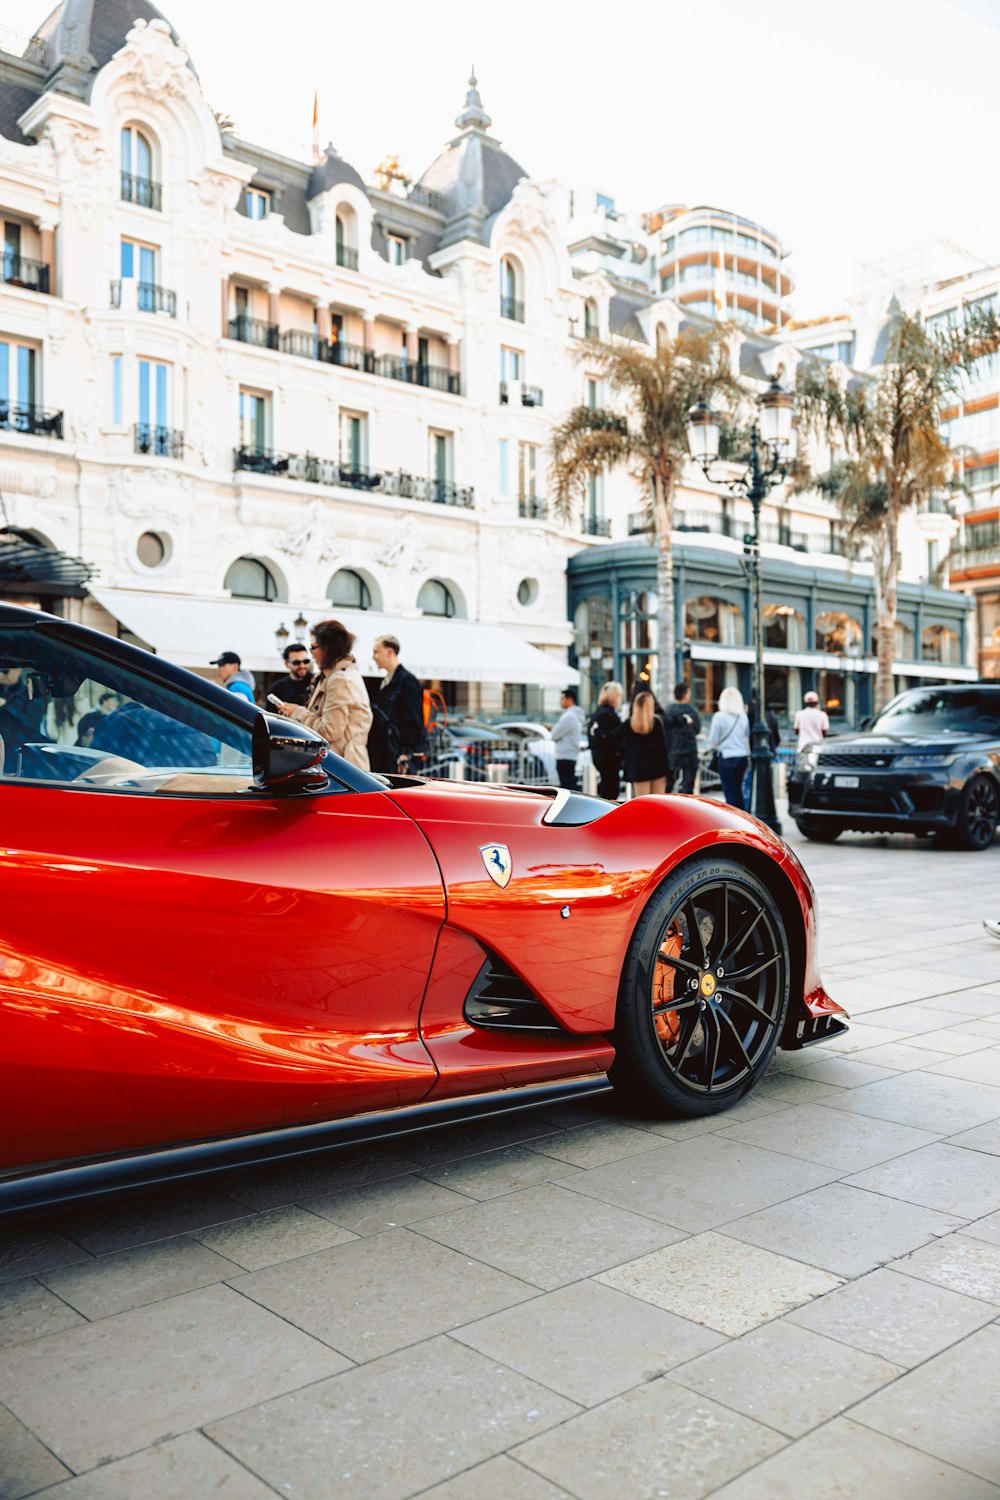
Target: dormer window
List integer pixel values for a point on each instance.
(137, 184)
(255, 203)
(396, 248)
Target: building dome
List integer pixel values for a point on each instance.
(474, 177)
(87, 33)
(331, 172)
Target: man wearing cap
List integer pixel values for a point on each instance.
(811, 723)
(232, 675)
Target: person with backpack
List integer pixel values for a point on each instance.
(604, 736)
(682, 725)
(401, 740)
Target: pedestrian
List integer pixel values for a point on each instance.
(811, 722)
(338, 706)
(232, 675)
(22, 710)
(604, 735)
(398, 741)
(683, 726)
(106, 704)
(297, 684)
(729, 737)
(645, 744)
(566, 735)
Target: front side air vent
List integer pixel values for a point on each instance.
(500, 1001)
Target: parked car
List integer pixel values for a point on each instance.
(222, 943)
(476, 746)
(928, 764)
(538, 740)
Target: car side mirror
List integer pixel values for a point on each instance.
(286, 754)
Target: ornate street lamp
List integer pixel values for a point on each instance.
(767, 466)
(281, 636)
(301, 623)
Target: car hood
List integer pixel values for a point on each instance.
(872, 744)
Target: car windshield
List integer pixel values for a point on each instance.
(934, 711)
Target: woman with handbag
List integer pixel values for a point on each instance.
(338, 706)
(729, 737)
(645, 744)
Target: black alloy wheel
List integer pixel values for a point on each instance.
(978, 814)
(704, 994)
(819, 830)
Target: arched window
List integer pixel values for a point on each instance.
(906, 648)
(716, 620)
(784, 628)
(347, 239)
(591, 320)
(511, 290)
(137, 185)
(349, 589)
(838, 633)
(249, 578)
(938, 643)
(435, 599)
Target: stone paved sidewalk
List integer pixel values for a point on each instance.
(800, 1297)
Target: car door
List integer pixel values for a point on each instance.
(181, 957)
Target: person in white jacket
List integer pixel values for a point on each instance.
(566, 735)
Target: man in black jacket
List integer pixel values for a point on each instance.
(401, 700)
(296, 687)
(682, 725)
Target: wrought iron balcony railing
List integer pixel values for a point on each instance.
(304, 342)
(975, 557)
(434, 377)
(162, 442)
(511, 308)
(347, 257)
(351, 356)
(256, 331)
(532, 508)
(141, 190)
(148, 297)
(311, 469)
(596, 526)
(18, 270)
(37, 421)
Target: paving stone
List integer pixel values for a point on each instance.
(845, 1461)
(456, 1141)
(903, 1057)
(720, 1282)
(30, 1248)
(26, 1465)
(987, 1029)
(786, 1376)
(382, 1292)
(938, 1176)
(107, 1389)
(658, 1439)
(970, 1266)
(29, 1311)
(594, 1145)
(925, 1100)
(703, 1184)
(949, 1041)
(386, 1205)
(831, 1137)
(987, 1228)
(980, 1138)
(779, 1088)
(947, 1407)
(842, 1229)
(897, 1317)
(916, 1018)
(140, 1218)
(980, 1067)
(363, 1436)
(862, 1036)
(751, 1108)
(277, 1234)
(131, 1278)
(497, 1479)
(282, 1183)
(492, 1173)
(843, 1072)
(588, 1342)
(183, 1468)
(547, 1235)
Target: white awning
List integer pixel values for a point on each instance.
(190, 631)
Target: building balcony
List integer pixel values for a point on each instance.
(36, 421)
(707, 521)
(532, 508)
(141, 190)
(311, 469)
(528, 395)
(783, 536)
(148, 297)
(434, 377)
(511, 308)
(17, 270)
(161, 442)
(303, 342)
(968, 559)
(426, 199)
(596, 526)
(347, 257)
(255, 331)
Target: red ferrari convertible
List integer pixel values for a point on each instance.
(220, 942)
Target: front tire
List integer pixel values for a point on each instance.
(818, 830)
(978, 814)
(690, 1040)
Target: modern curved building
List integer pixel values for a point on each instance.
(709, 256)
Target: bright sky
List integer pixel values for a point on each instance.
(852, 130)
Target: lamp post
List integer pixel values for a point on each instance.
(767, 465)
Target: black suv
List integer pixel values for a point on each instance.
(929, 763)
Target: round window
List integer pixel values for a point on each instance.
(152, 549)
(527, 591)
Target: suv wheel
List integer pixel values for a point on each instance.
(978, 814)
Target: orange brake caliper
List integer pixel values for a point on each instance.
(667, 1022)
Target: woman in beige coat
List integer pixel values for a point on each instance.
(338, 706)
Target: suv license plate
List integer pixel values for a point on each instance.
(846, 781)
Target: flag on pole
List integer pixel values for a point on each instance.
(316, 153)
(720, 288)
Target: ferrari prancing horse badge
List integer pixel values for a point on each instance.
(496, 858)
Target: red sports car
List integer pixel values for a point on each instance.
(220, 942)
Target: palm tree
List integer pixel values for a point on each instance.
(888, 428)
(648, 432)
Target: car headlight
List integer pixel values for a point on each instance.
(924, 762)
